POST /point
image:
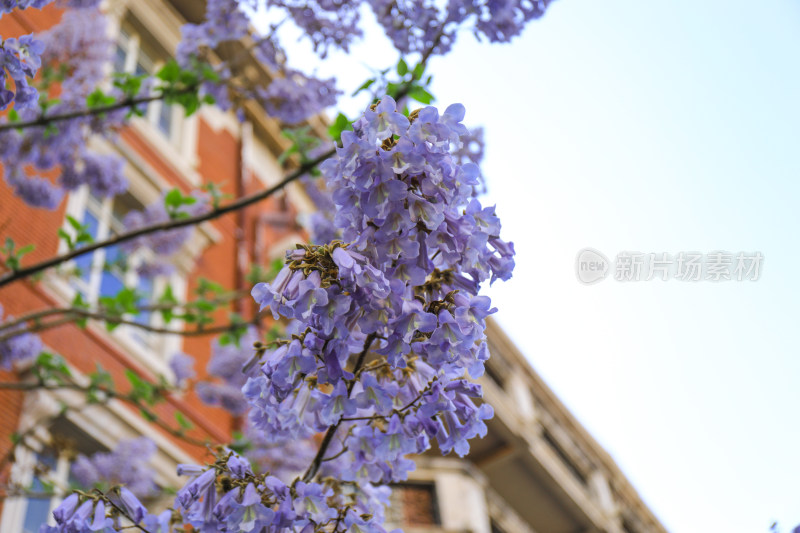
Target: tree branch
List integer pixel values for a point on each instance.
(313, 468)
(169, 225)
(35, 316)
(45, 120)
(84, 313)
(109, 394)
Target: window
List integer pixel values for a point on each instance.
(42, 470)
(132, 56)
(413, 505)
(107, 271)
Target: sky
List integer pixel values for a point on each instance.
(627, 125)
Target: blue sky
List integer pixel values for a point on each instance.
(656, 127)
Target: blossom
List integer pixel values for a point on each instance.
(19, 348)
(227, 364)
(127, 464)
(182, 366)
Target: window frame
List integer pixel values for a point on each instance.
(153, 350)
(15, 509)
(130, 41)
(144, 21)
(105, 424)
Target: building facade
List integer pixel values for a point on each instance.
(162, 150)
(537, 471)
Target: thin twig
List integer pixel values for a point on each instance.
(122, 511)
(77, 313)
(313, 468)
(44, 120)
(109, 394)
(169, 225)
(44, 313)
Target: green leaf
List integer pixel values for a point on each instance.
(169, 72)
(191, 105)
(79, 303)
(127, 299)
(101, 378)
(141, 389)
(205, 285)
(129, 84)
(364, 86)
(168, 298)
(339, 125)
(188, 78)
(98, 98)
(173, 199)
(286, 153)
(392, 89)
(74, 222)
(183, 421)
(419, 70)
(208, 72)
(25, 250)
(402, 68)
(420, 95)
(203, 305)
(66, 237)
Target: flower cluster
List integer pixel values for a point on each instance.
(385, 325)
(182, 366)
(229, 497)
(163, 243)
(107, 514)
(229, 364)
(19, 348)
(296, 97)
(419, 26)
(291, 97)
(126, 465)
(325, 22)
(80, 48)
(19, 60)
(7, 6)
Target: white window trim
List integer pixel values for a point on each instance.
(146, 185)
(16, 507)
(179, 149)
(107, 424)
(153, 355)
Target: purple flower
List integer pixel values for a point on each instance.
(384, 121)
(19, 348)
(35, 191)
(182, 366)
(127, 464)
(296, 97)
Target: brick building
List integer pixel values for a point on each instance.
(537, 471)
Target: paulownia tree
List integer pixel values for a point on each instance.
(382, 323)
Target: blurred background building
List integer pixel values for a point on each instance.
(537, 470)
